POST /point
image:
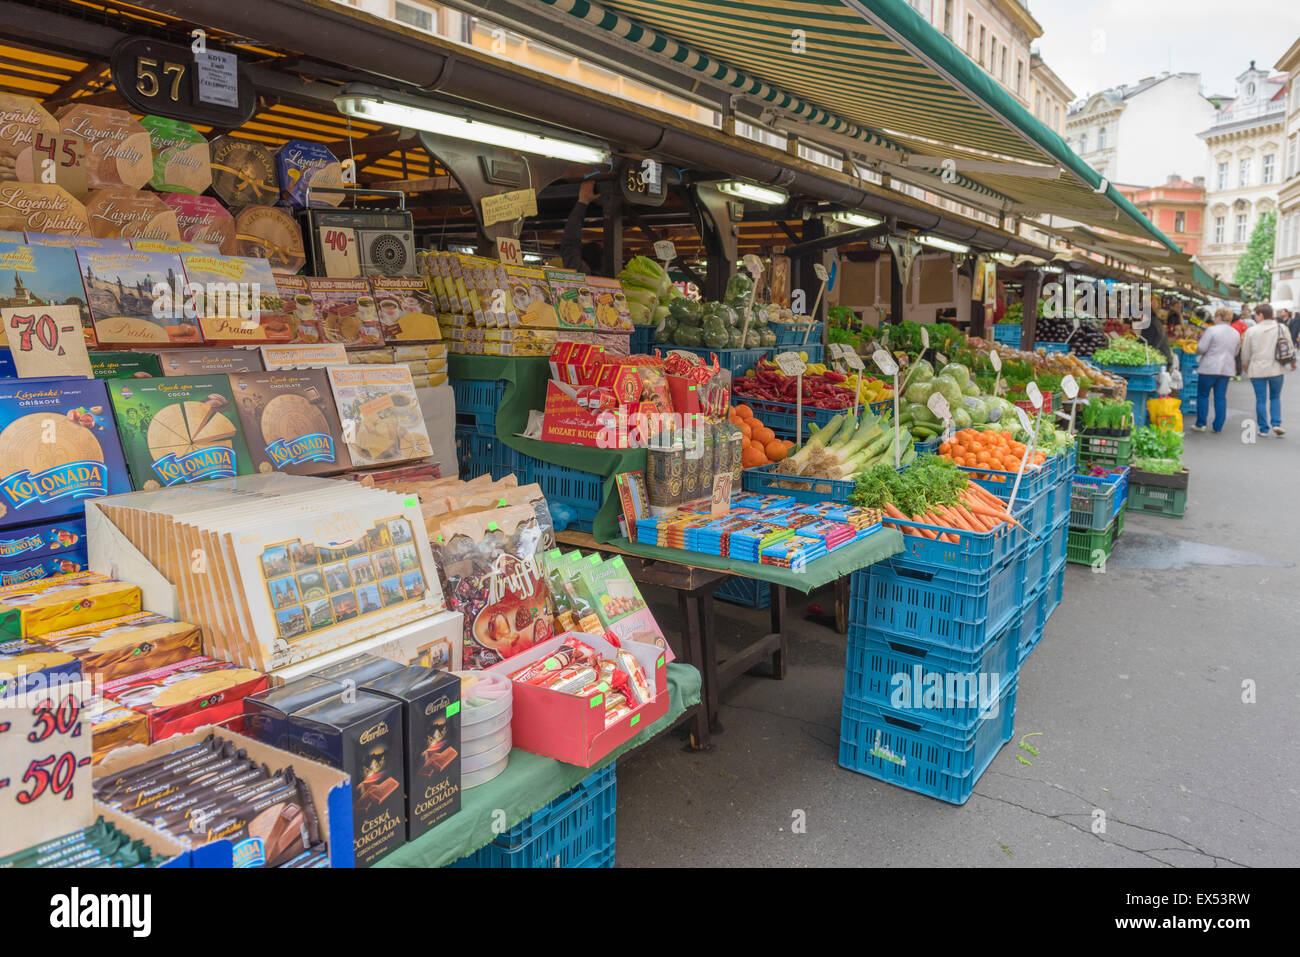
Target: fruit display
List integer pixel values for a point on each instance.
(761, 446)
(989, 449)
(1014, 315)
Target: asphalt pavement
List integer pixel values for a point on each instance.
(1163, 705)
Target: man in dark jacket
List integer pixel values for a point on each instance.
(1155, 336)
(575, 254)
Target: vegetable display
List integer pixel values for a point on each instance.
(1128, 351)
(932, 492)
(1150, 442)
(821, 390)
(847, 446)
(1107, 414)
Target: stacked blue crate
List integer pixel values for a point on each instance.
(932, 663)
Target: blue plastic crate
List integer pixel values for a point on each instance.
(1188, 361)
(971, 558)
(1033, 621)
(1139, 400)
(1118, 481)
(792, 334)
(1058, 541)
(1034, 514)
(642, 341)
(1051, 347)
(1038, 561)
(1055, 586)
(764, 480)
(477, 401)
(923, 756)
(936, 607)
(1034, 482)
(740, 361)
(582, 491)
(1129, 372)
(574, 830)
(1140, 383)
(890, 672)
(1007, 334)
(1058, 499)
(780, 417)
(744, 591)
(477, 453)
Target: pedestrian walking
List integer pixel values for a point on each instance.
(1218, 357)
(1239, 324)
(1291, 321)
(1260, 348)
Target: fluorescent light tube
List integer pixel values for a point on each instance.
(855, 219)
(938, 242)
(753, 192)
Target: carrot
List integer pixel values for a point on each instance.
(956, 520)
(892, 512)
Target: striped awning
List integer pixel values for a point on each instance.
(875, 72)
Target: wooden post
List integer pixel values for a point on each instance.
(1029, 323)
(977, 319)
(611, 204)
(895, 292)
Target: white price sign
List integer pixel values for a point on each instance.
(1024, 419)
(995, 360)
(44, 761)
(339, 250)
(941, 359)
(509, 252)
(939, 406)
(853, 360)
(884, 362)
(820, 271)
(665, 250)
(218, 78)
(790, 363)
(1034, 395)
(753, 264)
(837, 350)
(925, 337)
(1069, 386)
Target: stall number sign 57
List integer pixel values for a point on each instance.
(44, 764)
(339, 250)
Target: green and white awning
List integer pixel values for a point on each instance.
(876, 72)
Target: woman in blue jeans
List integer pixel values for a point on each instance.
(1217, 364)
(1258, 360)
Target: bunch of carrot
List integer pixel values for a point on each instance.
(976, 510)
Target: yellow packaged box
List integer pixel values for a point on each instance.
(34, 608)
(113, 726)
(118, 647)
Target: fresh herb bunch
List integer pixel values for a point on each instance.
(1107, 414)
(1128, 351)
(1159, 466)
(930, 481)
(1152, 443)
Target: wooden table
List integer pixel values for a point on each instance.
(694, 586)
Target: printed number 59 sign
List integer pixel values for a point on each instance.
(45, 745)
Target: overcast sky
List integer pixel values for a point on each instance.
(1145, 37)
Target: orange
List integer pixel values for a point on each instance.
(775, 450)
(764, 434)
(747, 430)
(744, 411)
(752, 458)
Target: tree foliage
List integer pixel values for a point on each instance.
(1253, 275)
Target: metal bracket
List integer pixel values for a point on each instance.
(712, 214)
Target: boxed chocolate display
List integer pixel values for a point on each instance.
(42, 541)
(31, 666)
(241, 303)
(31, 569)
(380, 414)
(118, 647)
(179, 430)
(266, 713)
(361, 735)
(215, 362)
(125, 365)
(34, 276)
(430, 712)
(289, 422)
(347, 311)
(181, 696)
(120, 288)
(58, 447)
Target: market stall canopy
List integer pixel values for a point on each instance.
(875, 76)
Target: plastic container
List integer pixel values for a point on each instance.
(765, 480)
(884, 670)
(1086, 547)
(1156, 500)
(791, 334)
(744, 591)
(924, 756)
(1092, 503)
(1035, 480)
(489, 697)
(472, 779)
(1008, 335)
(972, 558)
(574, 830)
(478, 453)
(642, 340)
(581, 491)
(477, 401)
(740, 361)
(486, 747)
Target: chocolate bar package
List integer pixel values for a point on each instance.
(118, 647)
(115, 726)
(125, 365)
(35, 608)
(32, 569)
(361, 735)
(430, 703)
(290, 422)
(266, 714)
(358, 670)
(27, 666)
(180, 697)
(42, 541)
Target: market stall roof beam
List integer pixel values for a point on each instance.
(861, 235)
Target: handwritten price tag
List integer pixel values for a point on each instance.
(853, 360)
(1069, 386)
(925, 337)
(665, 250)
(44, 763)
(995, 360)
(339, 250)
(47, 341)
(1034, 395)
(884, 362)
(790, 363)
(939, 406)
(508, 251)
(1024, 419)
(753, 264)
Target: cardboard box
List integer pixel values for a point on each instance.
(166, 848)
(571, 728)
(327, 786)
(125, 365)
(430, 702)
(34, 569)
(114, 726)
(58, 447)
(36, 275)
(179, 697)
(565, 420)
(27, 666)
(32, 609)
(360, 735)
(28, 542)
(178, 362)
(434, 642)
(266, 713)
(289, 422)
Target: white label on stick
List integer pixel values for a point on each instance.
(925, 337)
(884, 362)
(819, 271)
(1024, 419)
(790, 363)
(1069, 386)
(665, 250)
(995, 360)
(940, 358)
(1034, 395)
(939, 406)
(853, 360)
(753, 264)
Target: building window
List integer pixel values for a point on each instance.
(1038, 104)
(1268, 167)
(1180, 222)
(983, 35)
(1056, 118)
(947, 18)
(970, 34)
(1223, 176)
(1002, 68)
(1101, 138)
(1020, 78)
(1243, 176)
(1291, 156)
(1218, 229)
(1083, 142)
(1239, 234)
(416, 17)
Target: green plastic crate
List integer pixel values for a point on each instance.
(1119, 522)
(1088, 459)
(1156, 500)
(1092, 506)
(1082, 544)
(1108, 446)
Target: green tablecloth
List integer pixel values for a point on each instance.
(525, 391)
(843, 561)
(529, 782)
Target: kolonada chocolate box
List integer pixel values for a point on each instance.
(290, 423)
(58, 447)
(327, 787)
